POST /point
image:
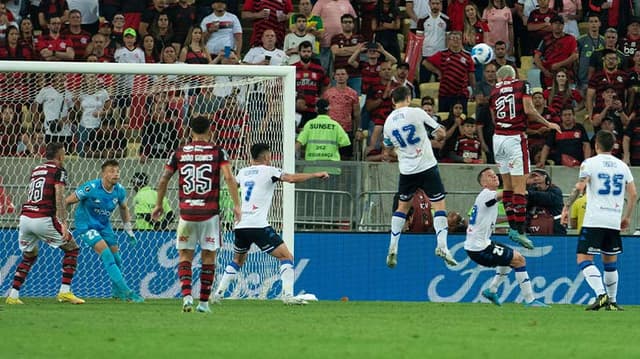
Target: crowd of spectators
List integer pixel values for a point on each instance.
(582, 53)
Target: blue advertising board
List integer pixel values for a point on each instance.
(333, 266)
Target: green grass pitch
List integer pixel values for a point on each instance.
(267, 329)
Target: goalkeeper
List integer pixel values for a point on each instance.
(97, 200)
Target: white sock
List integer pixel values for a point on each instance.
(287, 276)
(204, 304)
(440, 225)
(611, 281)
(65, 288)
(525, 285)
(230, 273)
(14, 294)
(397, 223)
(594, 279)
(498, 278)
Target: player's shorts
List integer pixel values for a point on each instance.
(511, 154)
(204, 233)
(92, 236)
(599, 241)
(429, 180)
(265, 238)
(496, 254)
(33, 230)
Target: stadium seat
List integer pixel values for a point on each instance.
(132, 149)
(416, 102)
(429, 89)
(471, 109)
(443, 115)
(522, 75)
(583, 27)
(526, 63)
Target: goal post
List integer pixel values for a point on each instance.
(266, 94)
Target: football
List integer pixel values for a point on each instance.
(482, 53)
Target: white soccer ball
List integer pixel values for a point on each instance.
(482, 53)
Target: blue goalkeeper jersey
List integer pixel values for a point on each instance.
(96, 205)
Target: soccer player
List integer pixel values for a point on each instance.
(482, 250)
(43, 218)
(97, 199)
(199, 164)
(606, 180)
(404, 130)
(257, 183)
(511, 106)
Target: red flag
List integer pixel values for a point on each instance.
(414, 53)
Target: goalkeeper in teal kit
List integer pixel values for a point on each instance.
(97, 199)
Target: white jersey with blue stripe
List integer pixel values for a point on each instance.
(405, 130)
(257, 184)
(481, 221)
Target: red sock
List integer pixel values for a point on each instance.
(507, 200)
(69, 264)
(23, 271)
(206, 281)
(184, 273)
(520, 211)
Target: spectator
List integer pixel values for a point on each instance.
(14, 10)
(476, 30)
(609, 124)
(467, 148)
(268, 53)
(571, 12)
(417, 12)
(132, 11)
(130, 53)
(609, 77)
(436, 27)
(539, 25)
(500, 52)
(456, 71)
(343, 47)
(221, 29)
(194, 50)
(344, 108)
(379, 105)
(78, 37)
(419, 217)
(455, 12)
(630, 43)
(162, 30)
(544, 204)
(31, 11)
(183, 16)
(498, 17)
(631, 144)
(116, 30)
(296, 37)
(230, 126)
(322, 137)
(151, 52)
(633, 90)
(331, 12)
(562, 94)
(608, 11)
(569, 147)
(588, 44)
(370, 69)
(27, 38)
(268, 15)
(143, 203)
(169, 56)
(55, 102)
(386, 25)
(54, 47)
(429, 107)
(13, 49)
(6, 20)
(97, 48)
(159, 135)
(150, 15)
(94, 104)
(109, 141)
(484, 122)
(88, 9)
(558, 50)
(536, 132)
(311, 81)
(10, 133)
(596, 62)
(315, 25)
(50, 9)
(366, 10)
(613, 109)
(401, 77)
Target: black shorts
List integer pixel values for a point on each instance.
(599, 241)
(429, 180)
(496, 254)
(265, 238)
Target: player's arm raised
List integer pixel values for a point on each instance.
(302, 177)
(533, 114)
(231, 182)
(162, 191)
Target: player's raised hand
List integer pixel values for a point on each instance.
(156, 213)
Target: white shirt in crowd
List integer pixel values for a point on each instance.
(259, 54)
(435, 31)
(91, 104)
(55, 106)
(257, 184)
(228, 26)
(88, 10)
(293, 41)
(481, 221)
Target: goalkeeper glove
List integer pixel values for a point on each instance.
(128, 229)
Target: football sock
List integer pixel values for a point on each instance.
(440, 224)
(118, 259)
(229, 274)
(611, 280)
(507, 201)
(525, 284)
(69, 264)
(397, 223)
(184, 274)
(21, 274)
(501, 273)
(109, 264)
(287, 276)
(519, 211)
(592, 276)
(206, 281)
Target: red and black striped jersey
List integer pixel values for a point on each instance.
(309, 82)
(343, 61)
(601, 80)
(508, 107)
(379, 114)
(79, 42)
(562, 100)
(633, 132)
(370, 74)
(198, 166)
(455, 68)
(41, 199)
(19, 52)
(193, 57)
(231, 128)
(270, 23)
(468, 147)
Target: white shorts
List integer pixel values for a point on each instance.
(33, 230)
(205, 233)
(511, 154)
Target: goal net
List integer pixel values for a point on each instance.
(138, 114)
